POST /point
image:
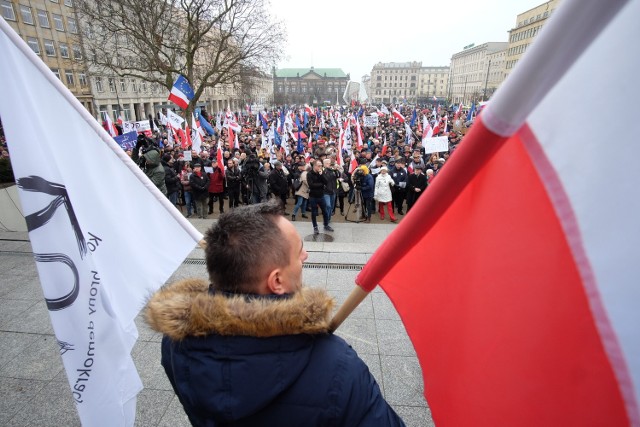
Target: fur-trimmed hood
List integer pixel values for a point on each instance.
(187, 308)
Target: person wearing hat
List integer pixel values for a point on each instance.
(416, 184)
(199, 182)
(400, 176)
(382, 193)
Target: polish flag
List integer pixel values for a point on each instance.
(359, 132)
(219, 157)
(427, 131)
(456, 116)
(384, 109)
(353, 164)
(397, 115)
(111, 128)
(530, 313)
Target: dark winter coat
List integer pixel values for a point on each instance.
(199, 185)
(368, 187)
(171, 179)
(317, 183)
(278, 182)
(262, 361)
(232, 175)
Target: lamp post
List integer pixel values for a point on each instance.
(486, 80)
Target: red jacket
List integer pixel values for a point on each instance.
(216, 183)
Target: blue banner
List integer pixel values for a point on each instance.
(128, 140)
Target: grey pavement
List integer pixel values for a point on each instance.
(33, 386)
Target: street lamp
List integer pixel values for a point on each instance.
(486, 80)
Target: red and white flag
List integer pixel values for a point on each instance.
(427, 131)
(353, 164)
(397, 115)
(530, 313)
(110, 126)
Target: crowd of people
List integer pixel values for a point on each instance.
(387, 174)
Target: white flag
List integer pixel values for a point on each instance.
(174, 120)
(101, 246)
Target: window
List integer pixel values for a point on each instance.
(56, 72)
(144, 86)
(55, 1)
(69, 76)
(33, 44)
(7, 11)
(43, 18)
(82, 78)
(49, 48)
(99, 84)
(123, 85)
(64, 50)
(77, 52)
(57, 22)
(112, 85)
(25, 12)
(133, 86)
(68, 3)
(71, 25)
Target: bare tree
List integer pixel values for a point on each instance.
(210, 42)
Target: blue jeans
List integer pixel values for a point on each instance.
(314, 202)
(188, 200)
(370, 206)
(173, 198)
(330, 202)
(301, 204)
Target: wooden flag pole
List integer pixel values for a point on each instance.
(351, 303)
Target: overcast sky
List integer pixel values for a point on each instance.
(355, 35)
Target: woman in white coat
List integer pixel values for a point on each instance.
(382, 193)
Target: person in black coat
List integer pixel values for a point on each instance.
(317, 182)
(234, 183)
(278, 184)
(253, 348)
(416, 184)
(199, 181)
(171, 179)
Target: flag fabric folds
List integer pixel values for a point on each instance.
(529, 316)
(205, 124)
(101, 246)
(181, 93)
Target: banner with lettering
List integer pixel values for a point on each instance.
(92, 219)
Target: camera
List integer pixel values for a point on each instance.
(358, 178)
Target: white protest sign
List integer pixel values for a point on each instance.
(371, 121)
(140, 127)
(436, 145)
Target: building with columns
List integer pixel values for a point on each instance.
(528, 24)
(471, 68)
(309, 85)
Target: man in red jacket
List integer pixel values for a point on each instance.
(216, 186)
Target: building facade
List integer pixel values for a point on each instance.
(470, 70)
(528, 24)
(433, 82)
(309, 85)
(394, 82)
(50, 28)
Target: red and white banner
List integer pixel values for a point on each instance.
(530, 315)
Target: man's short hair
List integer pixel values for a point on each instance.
(243, 245)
